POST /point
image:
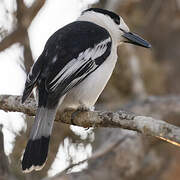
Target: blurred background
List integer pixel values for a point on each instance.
(144, 81)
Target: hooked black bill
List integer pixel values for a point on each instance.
(135, 39)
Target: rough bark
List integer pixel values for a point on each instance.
(120, 119)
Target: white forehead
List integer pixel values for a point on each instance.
(123, 25)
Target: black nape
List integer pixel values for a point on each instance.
(112, 15)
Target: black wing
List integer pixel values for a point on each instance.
(32, 78)
(71, 54)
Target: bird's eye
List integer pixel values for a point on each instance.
(117, 20)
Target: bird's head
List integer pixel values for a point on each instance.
(115, 24)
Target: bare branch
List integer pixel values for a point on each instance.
(21, 8)
(24, 17)
(34, 9)
(120, 119)
(9, 40)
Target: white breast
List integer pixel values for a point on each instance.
(88, 91)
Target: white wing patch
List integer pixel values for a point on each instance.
(89, 55)
(30, 74)
(30, 78)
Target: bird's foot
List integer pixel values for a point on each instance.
(80, 109)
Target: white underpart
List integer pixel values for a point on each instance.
(71, 68)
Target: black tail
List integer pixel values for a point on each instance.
(37, 147)
(35, 154)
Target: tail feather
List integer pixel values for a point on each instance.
(35, 154)
(37, 147)
(36, 150)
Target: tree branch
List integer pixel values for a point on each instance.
(9, 40)
(120, 119)
(24, 17)
(34, 9)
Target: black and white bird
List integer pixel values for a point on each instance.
(71, 72)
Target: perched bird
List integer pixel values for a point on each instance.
(71, 72)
